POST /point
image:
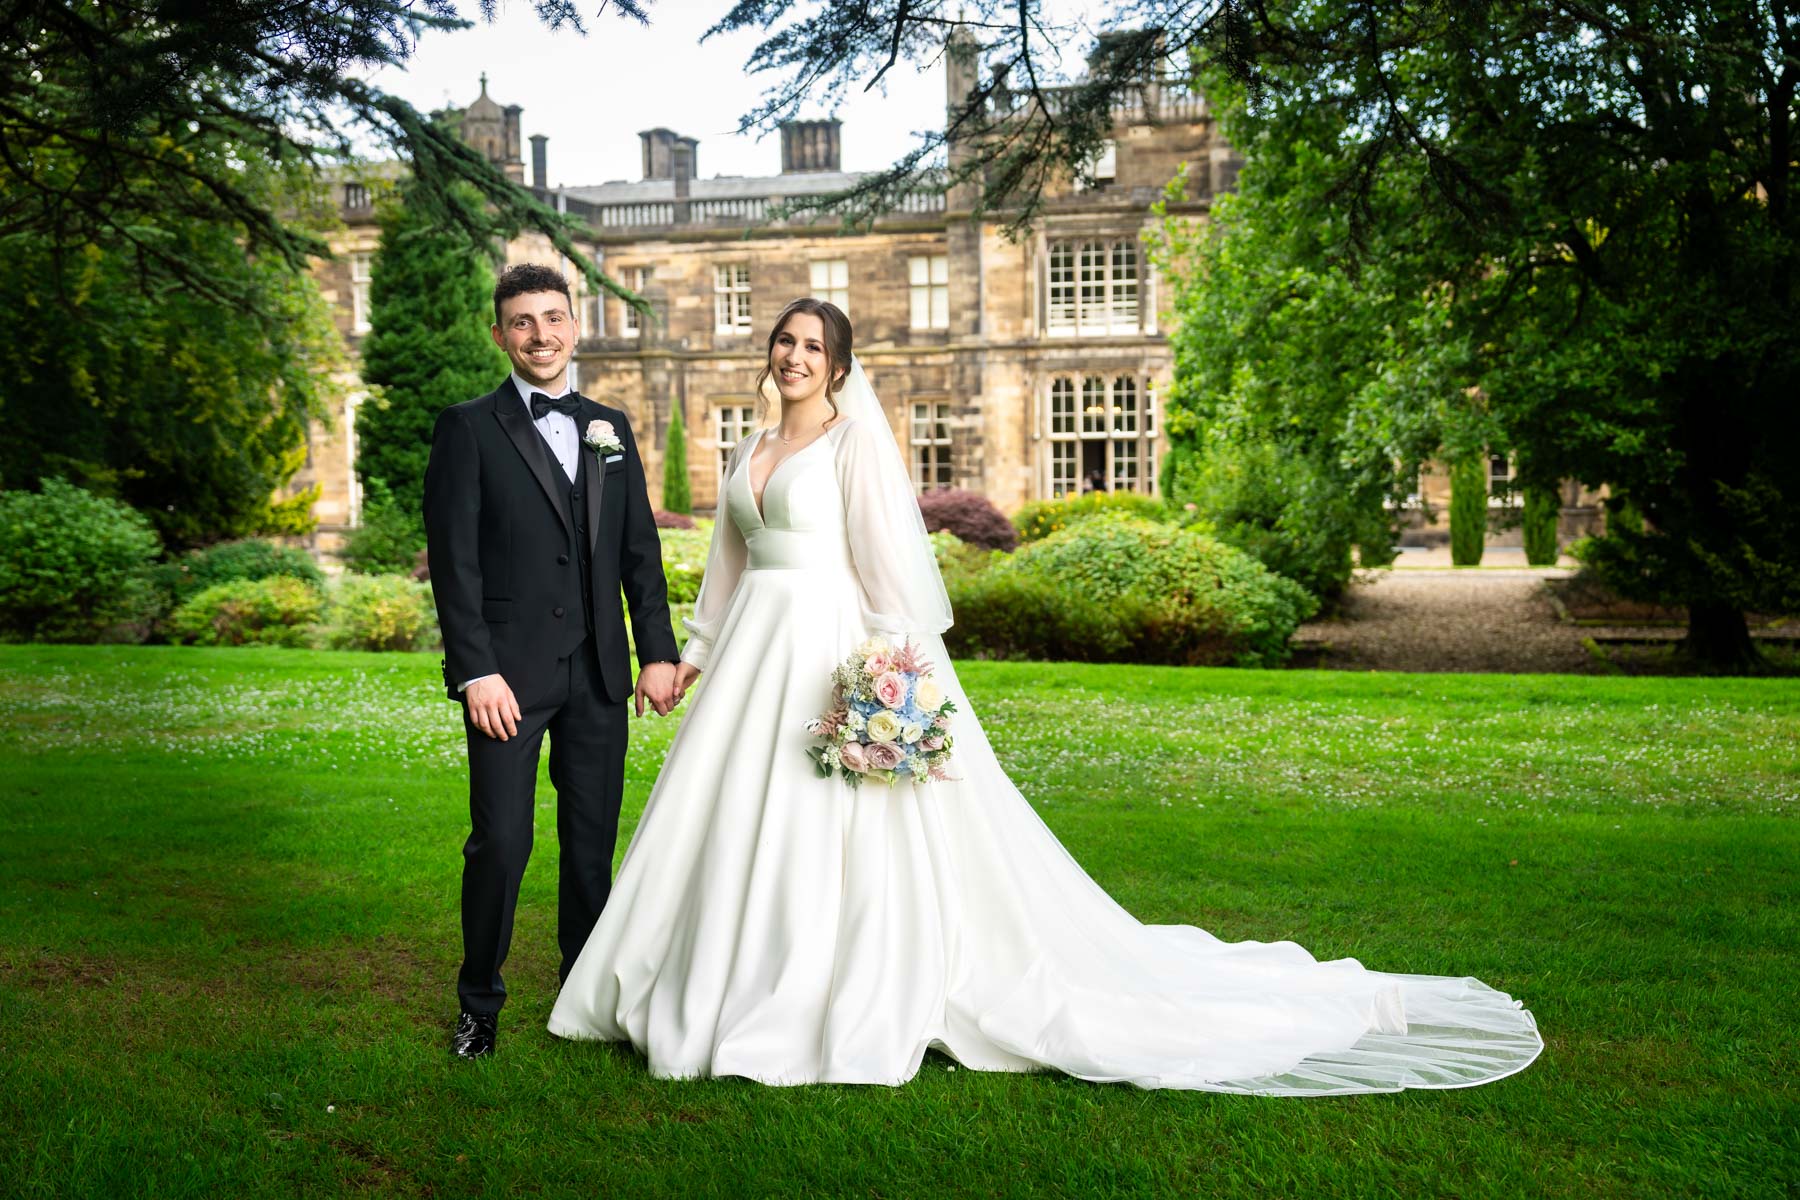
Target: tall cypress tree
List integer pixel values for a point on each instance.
(430, 304)
(1543, 509)
(678, 493)
(1468, 509)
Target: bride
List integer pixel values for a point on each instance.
(774, 924)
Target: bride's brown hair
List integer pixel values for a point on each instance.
(838, 342)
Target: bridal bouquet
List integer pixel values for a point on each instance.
(888, 720)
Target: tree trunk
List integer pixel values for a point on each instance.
(1718, 639)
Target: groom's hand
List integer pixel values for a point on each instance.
(656, 684)
(492, 708)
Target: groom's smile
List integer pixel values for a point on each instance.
(538, 333)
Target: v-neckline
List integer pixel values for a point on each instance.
(756, 501)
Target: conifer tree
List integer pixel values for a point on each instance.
(1543, 508)
(428, 347)
(1468, 509)
(677, 493)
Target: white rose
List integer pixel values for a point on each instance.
(927, 694)
(911, 732)
(884, 726)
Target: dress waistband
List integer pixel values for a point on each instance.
(795, 550)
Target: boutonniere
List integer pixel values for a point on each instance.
(600, 437)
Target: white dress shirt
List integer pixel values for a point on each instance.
(558, 431)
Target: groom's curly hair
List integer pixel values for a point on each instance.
(526, 278)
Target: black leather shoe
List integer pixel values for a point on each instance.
(474, 1036)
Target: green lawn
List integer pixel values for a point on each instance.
(228, 935)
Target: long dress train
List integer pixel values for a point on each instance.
(773, 924)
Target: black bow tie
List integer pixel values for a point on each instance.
(541, 404)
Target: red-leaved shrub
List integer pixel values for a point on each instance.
(971, 516)
(672, 520)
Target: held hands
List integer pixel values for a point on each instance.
(656, 684)
(492, 708)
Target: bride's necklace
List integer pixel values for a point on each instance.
(783, 438)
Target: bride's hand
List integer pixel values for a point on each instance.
(685, 674)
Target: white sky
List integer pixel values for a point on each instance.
(592, 95)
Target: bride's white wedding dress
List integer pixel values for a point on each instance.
(781, 926)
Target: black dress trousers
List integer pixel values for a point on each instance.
(588, 737)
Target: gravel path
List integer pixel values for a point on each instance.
(1423, 619)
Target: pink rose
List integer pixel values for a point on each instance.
(890, 690)
(854, 757)
(932, 743)
(885, 756)
(878, 663)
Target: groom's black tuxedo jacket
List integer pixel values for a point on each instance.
(503, 530)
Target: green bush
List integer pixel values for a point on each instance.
(381, 612)
(1282, 508)
(388, 539)
(1468, 509)
(684, 559)
(1142, 592)
(1543, 510)
(249, 559)
(277, 611)
(74, 567)
(1041, 518)
(957, 557)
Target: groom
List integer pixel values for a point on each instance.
(536, 515)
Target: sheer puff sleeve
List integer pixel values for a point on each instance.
(725, 560)
(902, 589)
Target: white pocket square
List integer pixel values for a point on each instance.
(615, 458)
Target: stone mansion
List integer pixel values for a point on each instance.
(1019, 369)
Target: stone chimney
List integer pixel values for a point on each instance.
(540, 162)
(663, 148)
(810, 146)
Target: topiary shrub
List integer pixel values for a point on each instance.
(1041, 518)
(672, 520)
(1543, 510)
(1468, 509)
(278, 611)
(74, 567)
(1190, 597)
(677, 490)
(971, 516)
(381, 612)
